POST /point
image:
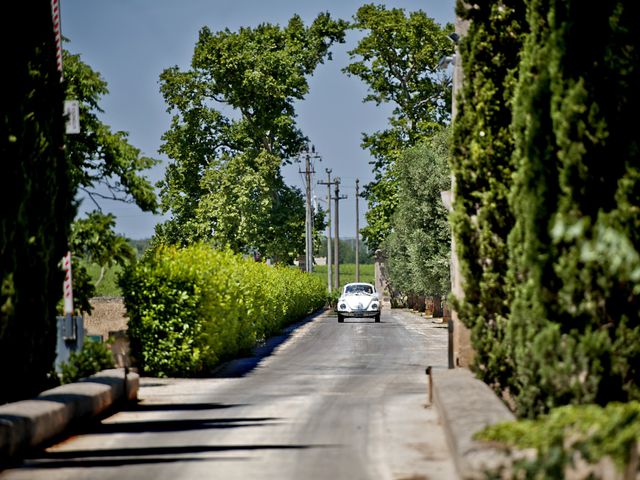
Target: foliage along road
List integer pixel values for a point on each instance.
(327, 401)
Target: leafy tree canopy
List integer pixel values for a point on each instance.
(398, 60)
(233, 128)
(419, 247)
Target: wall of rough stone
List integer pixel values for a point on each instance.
(109, 321)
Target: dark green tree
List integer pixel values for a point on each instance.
(234, 127)
(398, 61)
(575, 326)
(419, 247)
(483, 167)
(37, 200)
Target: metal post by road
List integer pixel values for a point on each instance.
(357, 232)
(336, 238)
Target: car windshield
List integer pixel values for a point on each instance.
(359, 289)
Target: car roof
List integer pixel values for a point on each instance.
(359, 283)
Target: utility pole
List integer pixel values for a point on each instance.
(308, 171)
(357, 232)
(336, 238)
(328, 183)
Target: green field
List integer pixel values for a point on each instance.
(347, 273)
(108, 286)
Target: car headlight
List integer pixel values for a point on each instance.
(342, 306)
(374, 306)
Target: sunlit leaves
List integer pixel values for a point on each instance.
(191, 308)
(398, 61)
(233, 128)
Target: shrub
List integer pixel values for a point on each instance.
(586, 432)
(191, 308)
(93, 357)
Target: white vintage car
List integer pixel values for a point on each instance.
(359, 300)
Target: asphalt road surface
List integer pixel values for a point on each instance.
(325, 401)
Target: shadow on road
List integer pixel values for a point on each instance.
(169, 407)
(159, 426)
(116, 457)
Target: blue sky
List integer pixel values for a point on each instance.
(130, 42)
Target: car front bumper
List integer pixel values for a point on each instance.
(358, 313)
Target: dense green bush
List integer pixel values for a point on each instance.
(36, 198)
(191, 308)
(574, 331)
(546, 223)
(586, 432)
(482, 168)
(94, 357)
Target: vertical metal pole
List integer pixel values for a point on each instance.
(329, 259)
(357, 232)
(336, 238)
(450, 343)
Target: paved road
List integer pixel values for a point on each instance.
(331, 401)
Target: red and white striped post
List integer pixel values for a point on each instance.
(55, 14)
(68, 290)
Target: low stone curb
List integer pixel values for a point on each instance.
(29, 423)
(467, 405)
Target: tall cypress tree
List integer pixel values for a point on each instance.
(37, 200)
(574, 328)
(482, 166)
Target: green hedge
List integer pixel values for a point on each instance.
(191, 308)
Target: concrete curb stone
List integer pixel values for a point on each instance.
(467, 405)
(29, 423)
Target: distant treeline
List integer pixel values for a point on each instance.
(140, 245)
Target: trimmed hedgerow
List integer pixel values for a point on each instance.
(191, 308)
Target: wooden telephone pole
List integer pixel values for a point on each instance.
(328, 183)
(308, 171)
(336, 239)
(357, 231)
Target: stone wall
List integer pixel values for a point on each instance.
(109, 321)
(109, 315)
